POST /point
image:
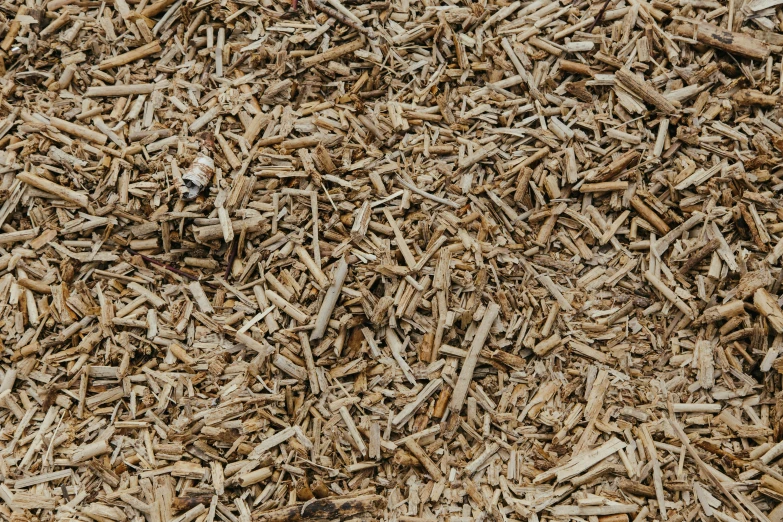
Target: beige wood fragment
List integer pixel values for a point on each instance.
(330, 299)
(768, 307)
(357, 438)
(286, 307)
(53, 188)
(148, 295)
(469, 364)
(120, 90)
(131, 56)
(425, 459)
(547, 345)
(422, 396)
(252, 343)
(669, 294)
(200, 297)
(90, 450)
(333, 53)
(645, 91)
(580, 463)
(400, 239)
(738, 43)
(311, 265)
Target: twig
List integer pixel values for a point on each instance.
(162, 264)
(340, 17)
(599, 16)
(232, 255)
(427, 195)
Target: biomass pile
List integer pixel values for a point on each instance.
(280, 260)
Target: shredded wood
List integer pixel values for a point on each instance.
(283, 260)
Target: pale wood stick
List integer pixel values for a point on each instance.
(663, 244)
(584, 511)
(334, 52)
(205, 118)
(614, 227)
(7, 384)
(180, 353)
(36, 286)
(77, 130)
(254, 477)
(644, 90)
(263, 349)
(201, 297)
(735, 43)
(707, 470)
(401, 244)
(18, 236)
(65, 78)
(309, 363)
(768, 307)
(469, 365)
(256, 125)
(42, 478)
(210, 232)
(156, 8)
(316, 244)
(418, 452)
(56, 24)
(263, 303)
(191, 514)
(54, 189)
(151, 298)
(679, 407)
(89, 451)
(477, 463)
(136, 503)
(308, 261)
(286, 365)
(225, 224)
(607, 186)
(120, 90)
(427, 195)
(657, 476)
(355, 435)
(669, 294)
(649, 215)
(581, 462)
(754, 97)
(131, 56)
(660, 141)
(724, 311)
(411, 407)
(14, 29)
(330, 299)
(547, 345)
(307, 141)
(232, 158)
(277, 286)
(395, 345)
(287, 307)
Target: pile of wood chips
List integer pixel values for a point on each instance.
(453, 260)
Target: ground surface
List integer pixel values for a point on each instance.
(405, 260)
